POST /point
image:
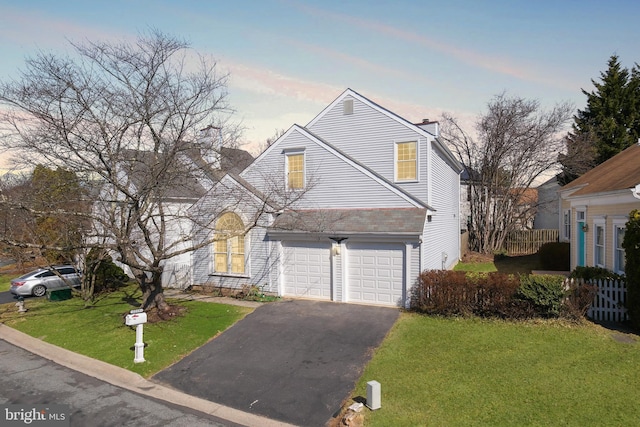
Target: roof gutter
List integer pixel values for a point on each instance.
(636, 191)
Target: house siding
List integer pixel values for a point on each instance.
(326, 176)
(597, 209)
(438, 239)
(355, 134)
(547, 215)
(261, 255)
(349, 163)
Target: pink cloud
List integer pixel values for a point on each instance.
(34, 28)
(495, 64)
(266, 81)
(350, 59)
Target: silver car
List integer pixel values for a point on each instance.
(38, 281)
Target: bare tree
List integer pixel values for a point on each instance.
(517, 141)
(273, 138)
(580, 156)
(126, 118)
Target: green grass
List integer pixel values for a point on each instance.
(473, 372)
(5, 282)
(508, 264)
(476, 267)
(99, 331)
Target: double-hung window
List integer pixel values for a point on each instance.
(598, 244)
(406, 161)
(295, 173)
(618, 250)
(566, 226)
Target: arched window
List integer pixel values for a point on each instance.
(229, 245)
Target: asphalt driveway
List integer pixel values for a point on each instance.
(294, 361)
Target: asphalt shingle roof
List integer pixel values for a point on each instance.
(408, 221)
(618, 173)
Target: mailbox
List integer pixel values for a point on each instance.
(135, 319)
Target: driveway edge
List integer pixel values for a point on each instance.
(129, 380)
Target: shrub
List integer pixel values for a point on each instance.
(454, 293)
(545, 292)
(494, 295)
(631, 245)
(440, 292)
(579, 298)
(450, 293)
(499, 254)
(554, 256)
(103, 274)
(589, 274)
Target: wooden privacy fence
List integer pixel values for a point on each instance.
(526, 242)
(608, 304)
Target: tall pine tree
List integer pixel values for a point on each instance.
(609, 123)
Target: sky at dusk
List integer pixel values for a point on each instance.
(288, 59)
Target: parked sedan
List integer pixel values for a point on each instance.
(38, 281)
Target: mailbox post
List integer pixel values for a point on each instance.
(138, 318)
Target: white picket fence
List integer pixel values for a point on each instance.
(608, 304)
(176, 275)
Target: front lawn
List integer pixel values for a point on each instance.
(455, 372)
(99, 331)
(522, 264)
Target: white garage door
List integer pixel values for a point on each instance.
(307, 270)
(375, 273)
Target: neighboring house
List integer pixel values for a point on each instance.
(214, 163)
(525, 199)
(371, 201)
(466, 181)
(526, 202)
(548, 211)
(595, 208)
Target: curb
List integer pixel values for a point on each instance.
(128, 380)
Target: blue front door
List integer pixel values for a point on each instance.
(581, 246)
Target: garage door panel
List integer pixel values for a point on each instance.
(307, 270)
(375, 273)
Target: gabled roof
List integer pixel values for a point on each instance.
(391, 221)
(621, 172)
(183, 185)
(140, 166)
(234, 160)
(416, 128)
(354, 163)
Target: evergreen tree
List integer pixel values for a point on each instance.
(609, 123)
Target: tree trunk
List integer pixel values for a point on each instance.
(153, 293)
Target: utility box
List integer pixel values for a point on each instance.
(373, 395)
(59, 294)
(135, 319)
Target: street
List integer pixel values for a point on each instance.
(29, 379)
(6, 297)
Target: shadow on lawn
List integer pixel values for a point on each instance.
(517, 264)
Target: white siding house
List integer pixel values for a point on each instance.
(370, 200)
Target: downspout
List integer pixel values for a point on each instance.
(429, 172)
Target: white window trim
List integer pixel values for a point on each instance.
(600, 223)
(294, 152)
(395, 161)
(617, 223)
(566, 226)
